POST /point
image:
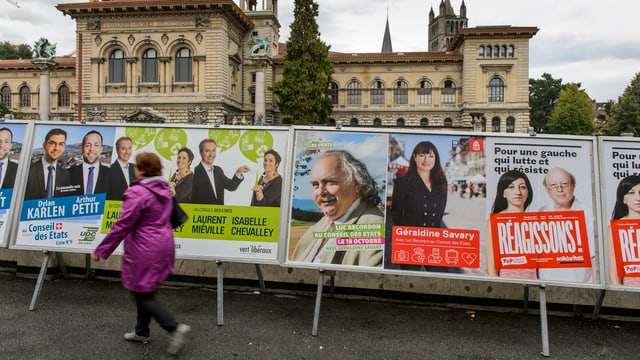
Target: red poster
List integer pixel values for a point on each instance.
(529, 240)
(625, 234)
(436, 246)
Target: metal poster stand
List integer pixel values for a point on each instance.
(542, 294)
(598, 306)
(43, 274)
(220, 288)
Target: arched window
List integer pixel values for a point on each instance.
(401, 93)
(448, 92)
(64, 96)
(496, 90)
(448, 122)
(5, 96)
(183, 65)
(400, 122)
(424, 122)
(353, 122)
(481, 51)
(424, 92)
(503, 51)
(512, 51)
(377, 122)
(488, 52)
(377, 93)
(495, 124)
(332, 122)
(354, 93)
(484, 124)
(496, 51)
(332, 93)
(25, 97)
(150, 66)
(511, 124)
(116, 67)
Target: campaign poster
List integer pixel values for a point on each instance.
(228, 181)
(233, 204)
(436, 190)
(621, 197)
(540, 210)
(339, 187)
(11, 140)
(63, 205)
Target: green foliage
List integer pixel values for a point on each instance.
(307, 70)
(573, 113)
(9, 51)
(543, 95)
(5, 110)
(625, 114)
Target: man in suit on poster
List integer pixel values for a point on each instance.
(209, 181)
(47, 178)
(122, 172)
(560, 185)
(91, 175)
(346, 193)
(8, 168)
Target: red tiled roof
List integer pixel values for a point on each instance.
(393, 57)
(26, 64)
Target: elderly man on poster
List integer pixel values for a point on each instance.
(560, 185)
(346, 193)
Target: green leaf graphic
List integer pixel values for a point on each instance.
(254, 143)
(140, 136)
(169, 141)
(225, 138)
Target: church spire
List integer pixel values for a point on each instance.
(386, 41)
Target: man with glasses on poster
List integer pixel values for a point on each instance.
(47, 178)
(560, 186)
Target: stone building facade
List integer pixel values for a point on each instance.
(180, 61)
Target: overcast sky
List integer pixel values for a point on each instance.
(593, 42)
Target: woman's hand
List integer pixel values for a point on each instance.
(95, 257)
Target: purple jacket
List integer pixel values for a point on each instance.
(144, 225)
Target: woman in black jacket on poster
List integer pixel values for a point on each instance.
(420, 197)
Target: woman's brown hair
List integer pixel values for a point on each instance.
(149, 164)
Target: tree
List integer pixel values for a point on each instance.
(625, 114)
(5, 110)
(573, 113)
(543, 95)
(307, 70)
(10, 51)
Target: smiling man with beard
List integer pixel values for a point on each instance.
(346, 193)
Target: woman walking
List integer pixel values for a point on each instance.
(149, 250)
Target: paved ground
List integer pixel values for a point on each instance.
(81, 319)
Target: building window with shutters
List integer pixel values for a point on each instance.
(184, 63)
(116, 67)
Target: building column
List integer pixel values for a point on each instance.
(259, 115)
(44, 96)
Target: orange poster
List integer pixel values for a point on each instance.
(625, 234)
(529, 240)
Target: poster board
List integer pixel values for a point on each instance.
(12, 140)
(74, 221)
(620, 163)
(442, 227)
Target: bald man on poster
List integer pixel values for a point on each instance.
(560, 185)
(346, 193)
